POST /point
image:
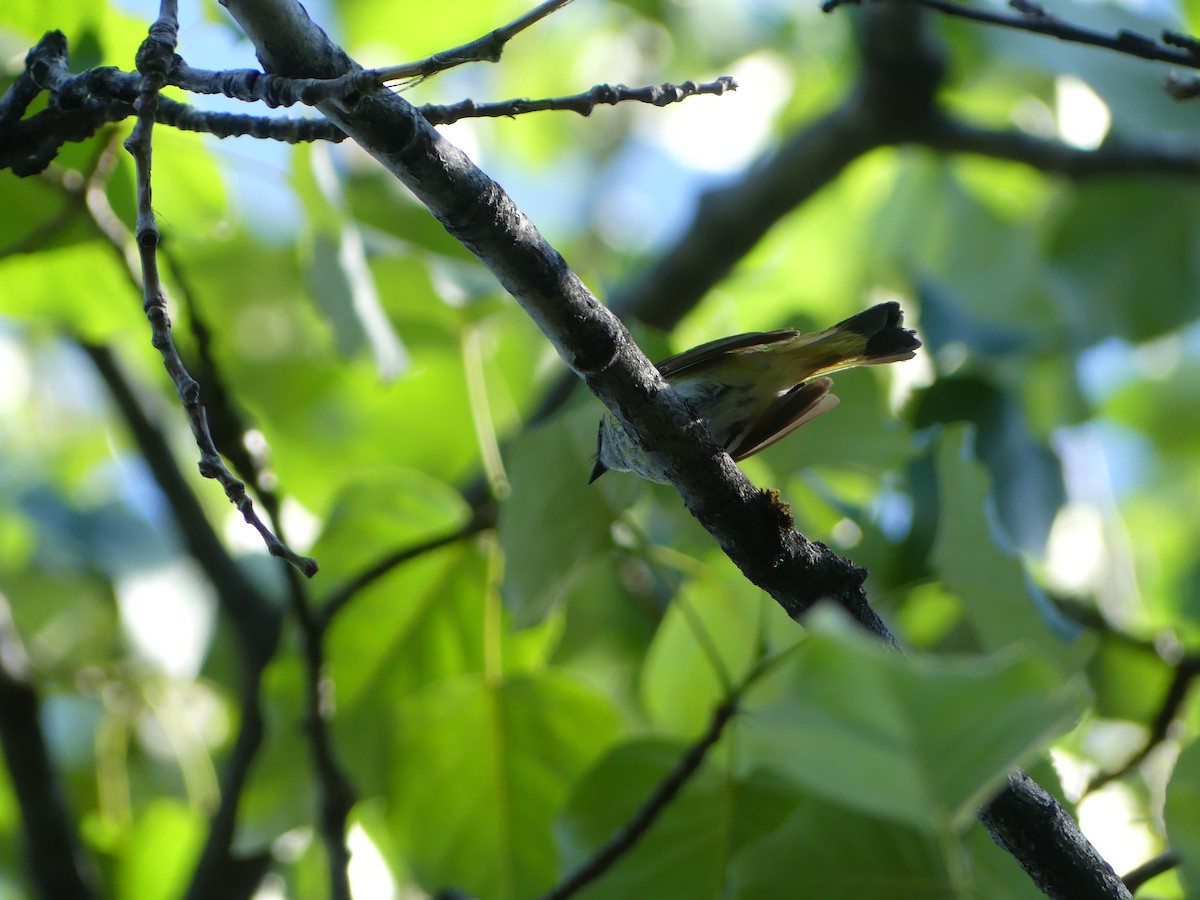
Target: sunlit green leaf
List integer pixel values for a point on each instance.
(919, 740)
(160, 853)
(1000, 601)
(480, 768)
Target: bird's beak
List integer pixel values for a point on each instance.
(597, 470)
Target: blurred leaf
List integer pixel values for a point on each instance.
(1129, 679)
(687, 850)
(380, 513)
(1152, 406)
(1111, 280)
(422, 623)
(919, 740)
(480, 768)
(1000, 601)
(835, 853)
(1183, 814)
(160, 853)
(81, 289)
(281, 792)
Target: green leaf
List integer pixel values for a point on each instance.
(1182, 814)
(82, 289)
(1129, 679)
(160, 852)
(687, 850)
(717, 612)
(919, 740)
(1001, 603)
(1134, 283)
(836, 854)
(481, 767)
(554, 520)
(280, 793)
(380, 512)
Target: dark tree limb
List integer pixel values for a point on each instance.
(1028, 822)
(219, 875)
(57, 866)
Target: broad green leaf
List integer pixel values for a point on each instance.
(82, 289)
(687, 850)
(427, 621)
(1001, 603)
(423, 622)
(717, 612)
(827, 851)
(1114, 281)
(553, 522)
(1129, 679)
(481, 767)
(189, 190)
(382, 512)
(1183, 814)
(919, 740)
(160, 853)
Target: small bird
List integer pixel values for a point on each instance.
(755, 389)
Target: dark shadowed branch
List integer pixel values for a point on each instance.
(1152, 868)
(1171, 47)
(56, 864)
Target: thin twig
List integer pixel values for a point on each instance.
(628, 835)
(488, 48)
(1186, 672)
(274, 90)
(153, 58)
(1034, 18)
(601, 94)
(1152, 868)
(336, 793)
(483, 519)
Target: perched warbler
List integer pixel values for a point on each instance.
(755, 389)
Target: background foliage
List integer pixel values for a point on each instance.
(1023, 494)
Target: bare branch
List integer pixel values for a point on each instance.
(601, 94)
(1120, 156)
(153, 60)
(1174, 48)
(632, 831)
(483, 519)
(296, 130)
(1186, 672)
(1152, 868)
(627, 837)
(1028, 822)
(274, 90)
(488, 48)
